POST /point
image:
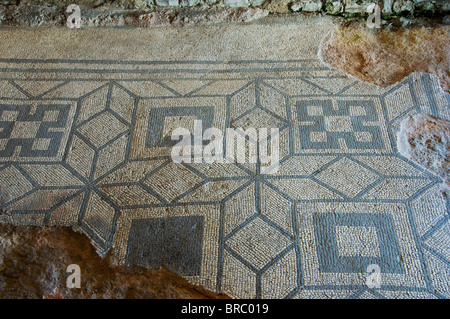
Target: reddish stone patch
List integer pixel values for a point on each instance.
(33, 263)
(385, 56)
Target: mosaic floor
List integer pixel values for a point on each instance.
(84, 143)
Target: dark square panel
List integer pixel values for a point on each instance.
(175, 243)
(327, 250)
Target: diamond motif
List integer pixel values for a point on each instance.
(258, 118)
(101, 129)
(13, 184)
(258, 243)
(347, 177)
(172, 181)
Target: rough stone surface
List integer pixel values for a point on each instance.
(334, 7)
(52, 12)
(387, 7)
(34, 260)
(307, 5)
(180, 19)
(189, 3)
(236, 3)
(34, 16)
(167, 3)
(278, 6)
(356, 8)
(426, 140)
(386, 56)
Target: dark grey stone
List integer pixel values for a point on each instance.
(175, 243)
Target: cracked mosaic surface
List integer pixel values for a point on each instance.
(89, 148)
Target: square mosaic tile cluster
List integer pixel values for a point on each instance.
(91, 149)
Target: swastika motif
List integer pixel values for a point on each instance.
(341, 125)
(33, 130)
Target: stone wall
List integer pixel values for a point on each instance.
(331, 7)
(389, 7)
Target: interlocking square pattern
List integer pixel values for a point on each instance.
(34, 130)
(93, 152)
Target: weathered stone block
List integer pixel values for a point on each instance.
(189, 3)
(257, 3)
(355, 8)
(279, 6)
(400, 6)
(387, 6)
(167, 3)
(236, 3)
(426, 6)
(424, 139)
(334, 7)
(307, 6)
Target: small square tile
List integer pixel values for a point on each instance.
(51, 116)
(357, 241)
(363, 137)
(320, 137)
(357, 110)
(338, 124)
(41, 144)
(3, 142)
(9, 116)
(173, 122)
(25, 130)
(314, 110)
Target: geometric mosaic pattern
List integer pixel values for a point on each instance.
(39, 130)
(91, 150)
(340, 124)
